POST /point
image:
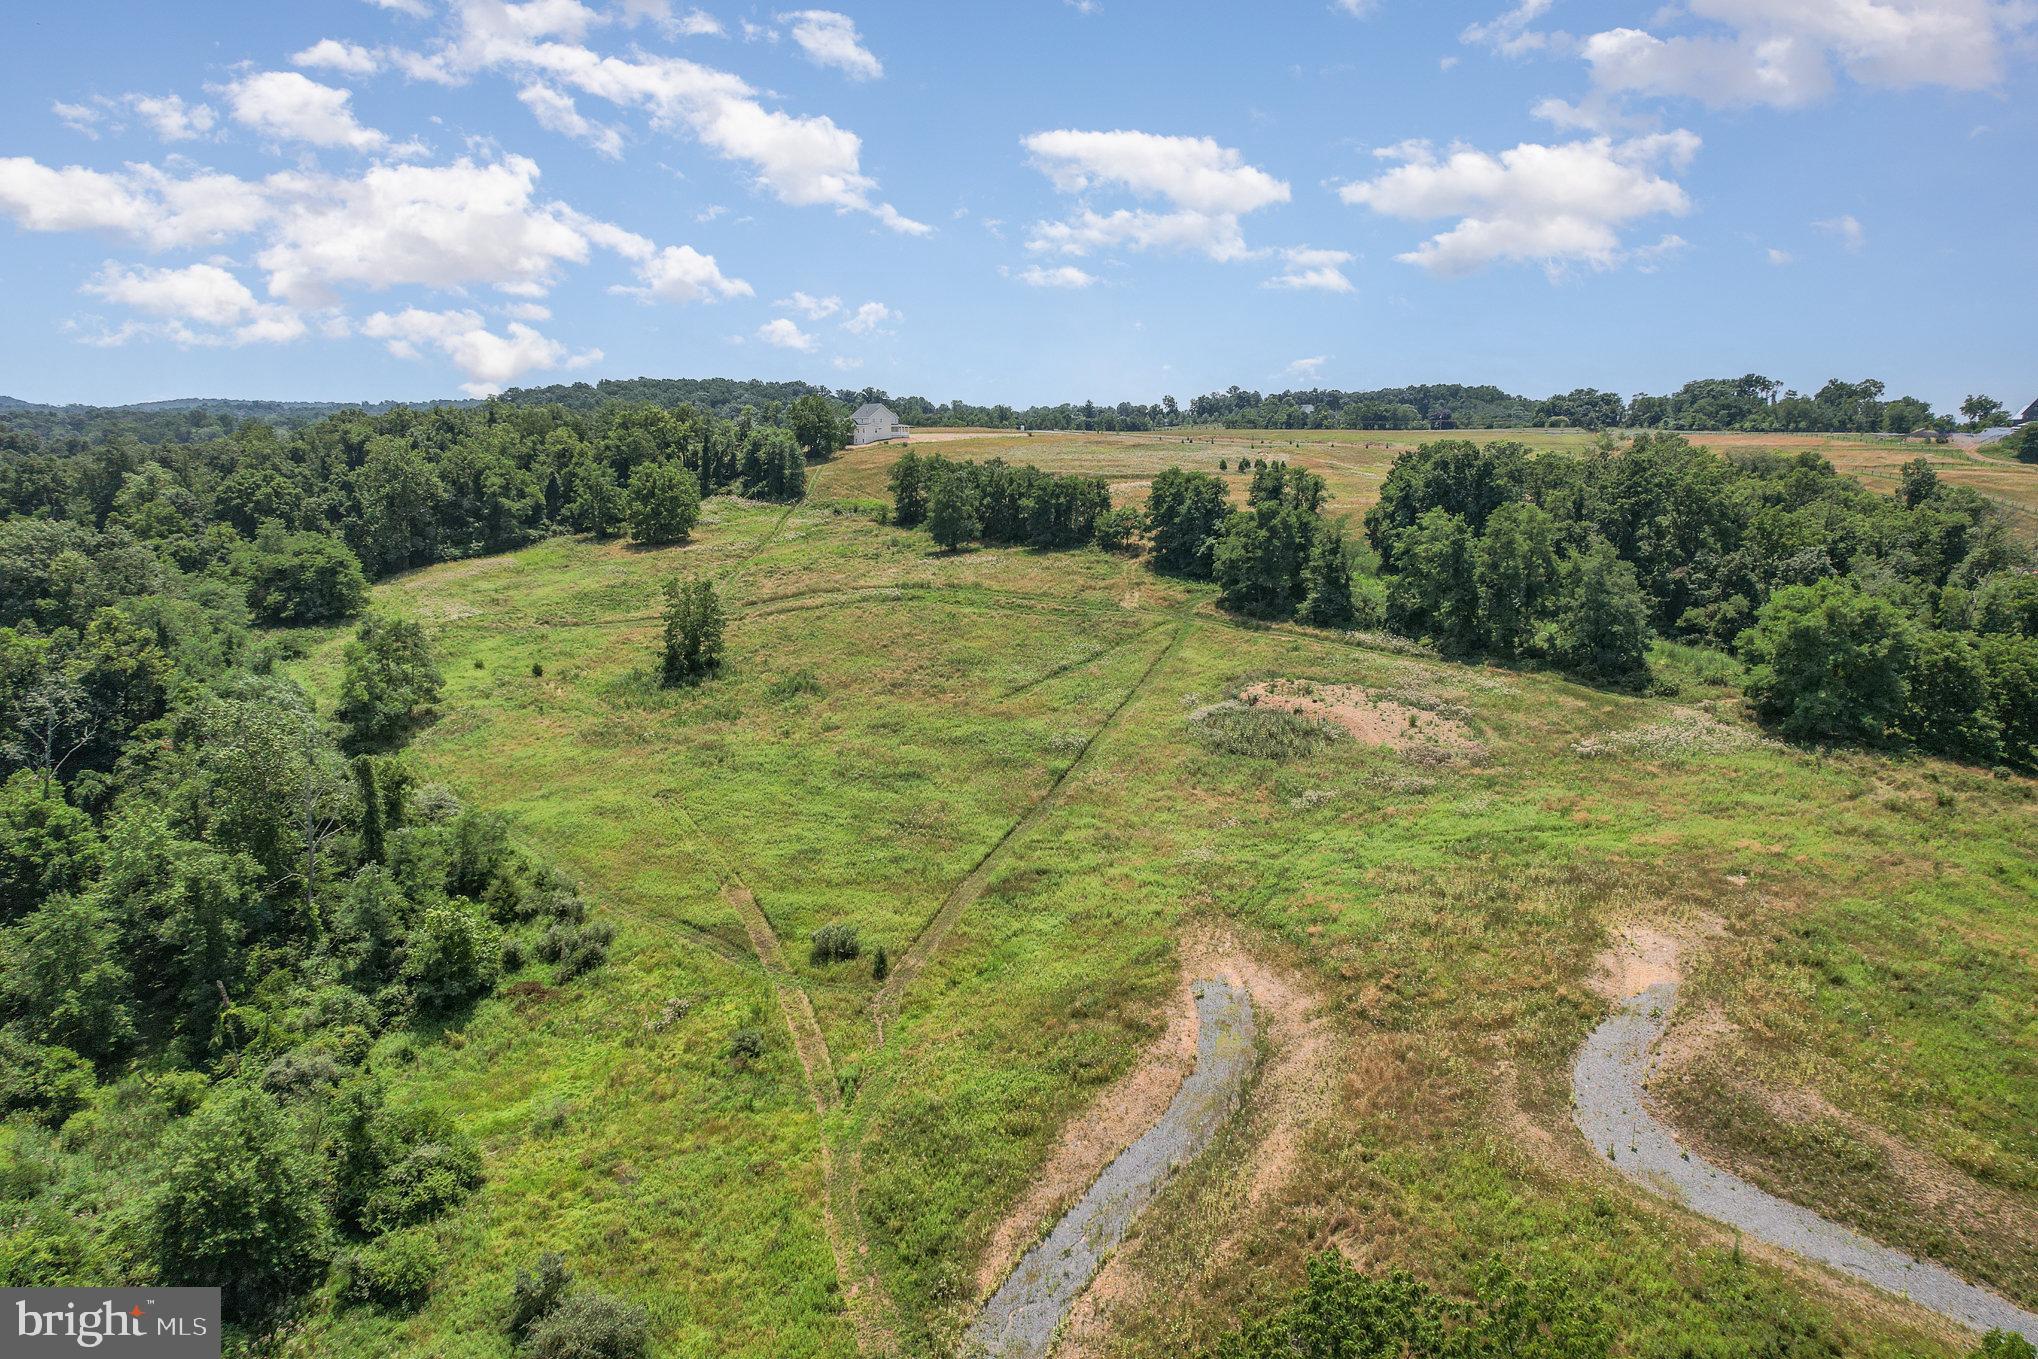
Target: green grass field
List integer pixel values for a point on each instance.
(888, 717)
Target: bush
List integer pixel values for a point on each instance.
(1344, 1314)
(425, 1167)
(835, 944)
(1116, 529)
(453, 956)
(591, 1326)
(746, 1045)
(393, 1271)
(239, 1208)
(535, 1293)
(577, 949)
(51, 1083)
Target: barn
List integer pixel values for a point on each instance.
(874, 424)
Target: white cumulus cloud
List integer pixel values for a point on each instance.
(333, 55)
(1207, 189)
(293, 107)
(1551, 205)
(831, 39)
(868, 318)
(556, 112)
(680, 273)
(204, 294)
(1061, 276)
(490, 361)
(1313, 270)
(786, 334)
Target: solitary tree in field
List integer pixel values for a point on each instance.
(693, 632)
(665, 502)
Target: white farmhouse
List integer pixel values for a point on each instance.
(875, 424)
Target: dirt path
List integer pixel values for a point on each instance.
(884, 1007)
(869, 1306)
(1020, 1320)
(1608, 1082)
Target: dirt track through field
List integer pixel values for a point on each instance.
(870, 1307)
(885, 1005)
(1608, 1082)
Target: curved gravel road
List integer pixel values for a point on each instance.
(1607, 1086)
(1020, 1319)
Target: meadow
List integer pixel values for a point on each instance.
(991, 764)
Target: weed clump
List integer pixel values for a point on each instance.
(835, 944)
(1259, 733)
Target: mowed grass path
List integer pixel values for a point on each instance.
(888, 714)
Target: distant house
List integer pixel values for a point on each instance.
(2029, 416)
(875, 424)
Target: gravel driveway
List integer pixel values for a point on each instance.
(1607, 1085)
(1020, 1319)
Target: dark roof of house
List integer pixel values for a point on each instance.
(2030, 413)
(870, 410)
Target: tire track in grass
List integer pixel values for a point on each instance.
(870, 1307)
(885, 1005)
(1079, 662)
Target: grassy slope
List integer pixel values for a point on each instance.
(869, 746)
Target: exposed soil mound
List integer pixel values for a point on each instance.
(1367, 719)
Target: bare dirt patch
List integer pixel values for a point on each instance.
(1368, 720)
(1638, 960)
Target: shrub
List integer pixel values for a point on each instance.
(425, 1167)
(1116, 529)
(591, 1326)
(880, 966)
(52, 1083)
(835, 944)
(746, 1045)
(577, 949)
(535, 1293)
(1829, 662)
(388, 675)
(239, 1208)
(453, 956)
(1344, 1314)
(394, 1270)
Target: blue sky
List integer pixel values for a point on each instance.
(1027, 200)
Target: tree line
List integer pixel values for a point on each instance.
(296, 524)
(224, 912)
(1862, 617)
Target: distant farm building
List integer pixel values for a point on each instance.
(2030, 415)
(875, 424)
